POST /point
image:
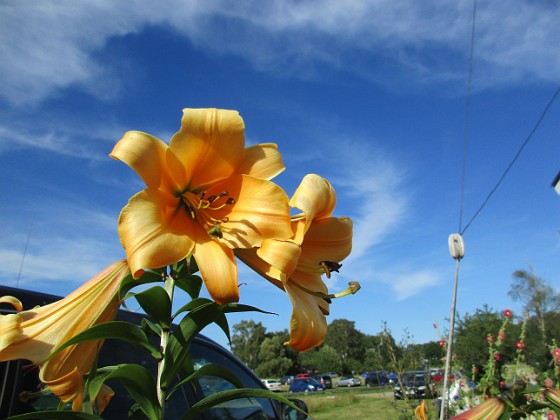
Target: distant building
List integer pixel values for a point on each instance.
(556, 183)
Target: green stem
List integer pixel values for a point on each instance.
(169, 287)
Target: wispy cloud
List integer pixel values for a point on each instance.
(410, 284)
(50, 46)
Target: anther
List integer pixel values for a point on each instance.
(330, 266)
(216, 231)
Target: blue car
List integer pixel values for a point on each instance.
(305, 385)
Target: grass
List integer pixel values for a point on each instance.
(359, 404)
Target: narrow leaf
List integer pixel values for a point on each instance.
(55, 415)
(118, 330)
(137, 380)
(233, 394)
(211, 369)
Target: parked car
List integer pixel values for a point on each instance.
(349, 382)
(305, 385)
(325, 380)
(17, 378)
(273, 384)
(439, 374)
(285, 380)
(378, 378)
(415, 384)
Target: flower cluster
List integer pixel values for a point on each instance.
(207, 198)
(210, 197)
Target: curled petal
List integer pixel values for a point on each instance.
(316, 198)
(262, 161)
(153, 234)
(218, 270)
(15, 302)
(145, 154)
(208, 147)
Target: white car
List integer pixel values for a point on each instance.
(272, 384)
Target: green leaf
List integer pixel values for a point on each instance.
(137, 380)
(179, 342)
(192, 305)
(149, 276)
(118, 330)
(233, 394)
(191, 284)
(211, 369)
(54, 415)
(156, 303)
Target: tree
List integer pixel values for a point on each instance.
(347, 341)
(323, 359)
(246, 341)
(273, 362)
(537, 295)
(471, 332)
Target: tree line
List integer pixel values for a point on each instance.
(346, 350)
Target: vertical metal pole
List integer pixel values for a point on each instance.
(444, 395)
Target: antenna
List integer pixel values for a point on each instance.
(25, 249)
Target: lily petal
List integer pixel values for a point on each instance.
(326, 240)
(316, 198)
(218, 270)
(260, 211)
(155, 235)
(208, 147)
(15, 302)
(262, 161)
(145, 154)
(308, 326)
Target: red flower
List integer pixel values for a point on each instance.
(508, 313)
(550, 416)
(549, 383)
(489, 339)
(497, 357)
(501, 336)
(520, 345)
(556, 355)
(502, 384)
(442, 342)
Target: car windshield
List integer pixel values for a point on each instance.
(416, 378)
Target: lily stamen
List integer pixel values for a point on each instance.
(352, 288)
(329, 266)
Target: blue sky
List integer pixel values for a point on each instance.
(369, 94)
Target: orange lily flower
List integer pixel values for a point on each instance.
(420, 411)
(318, 244)
(35, 333)
(206, 195)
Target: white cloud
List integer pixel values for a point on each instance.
(51, 45)
(411, 284)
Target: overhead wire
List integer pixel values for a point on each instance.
(508, 168)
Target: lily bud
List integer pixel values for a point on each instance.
(553, 395)
(490, 409)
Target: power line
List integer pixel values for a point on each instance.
(527, 139)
